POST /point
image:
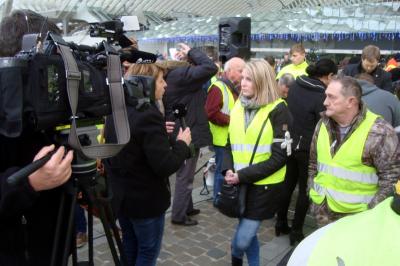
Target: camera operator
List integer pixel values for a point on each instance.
(28, 211)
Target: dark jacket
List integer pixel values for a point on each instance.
(139, 173)
(185, 87)
(381, 102)
(263, 201)
(305, 101)
(382, 79)
(38, 208)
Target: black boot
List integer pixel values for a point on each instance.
(282, 227)
(236, 261)
(296, 236)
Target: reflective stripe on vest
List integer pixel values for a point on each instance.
(226, 99)
(220, 133)
(343, 180)
(368, 178)
(243, 140)
(342, 196)
(250, 148)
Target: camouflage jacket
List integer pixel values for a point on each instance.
(381, 151)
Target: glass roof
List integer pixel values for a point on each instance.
(382, 17)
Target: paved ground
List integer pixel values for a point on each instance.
(205, 244)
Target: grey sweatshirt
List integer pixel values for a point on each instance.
(381, 102)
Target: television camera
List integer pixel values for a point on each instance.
(54, 86)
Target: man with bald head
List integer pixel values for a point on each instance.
(221, 97)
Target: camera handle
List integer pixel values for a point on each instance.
(18, 176)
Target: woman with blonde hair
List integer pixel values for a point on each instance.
(139, 173)
(254, 156)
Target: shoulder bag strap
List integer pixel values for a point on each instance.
(258, 140)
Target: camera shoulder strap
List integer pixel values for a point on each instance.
(114, 81)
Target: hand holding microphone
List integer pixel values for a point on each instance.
(179, 110)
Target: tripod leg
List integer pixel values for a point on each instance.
(69, 234)
(57, 235)
(90, 229)
(106, 223)
(57, 232)
(111, 218)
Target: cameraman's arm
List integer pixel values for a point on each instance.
(201, 71)
(16, 199)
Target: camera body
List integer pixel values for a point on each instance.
(108, 29)
(33, 92)
(37, 98)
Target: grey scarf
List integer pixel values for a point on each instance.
(250, 109)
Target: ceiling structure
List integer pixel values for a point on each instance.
(357, 19)
(155, 12)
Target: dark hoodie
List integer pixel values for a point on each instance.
(381, 102)
(305, 101)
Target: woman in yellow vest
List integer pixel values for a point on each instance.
(258, 104)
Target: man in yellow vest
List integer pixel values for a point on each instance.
(221, 97)
(298, 65)
(354, 155)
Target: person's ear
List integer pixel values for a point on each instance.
(351, 101)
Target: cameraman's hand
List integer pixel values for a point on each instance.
(169, 126)
(55, 172)
(185, 135)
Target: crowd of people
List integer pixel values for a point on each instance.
(344, 153)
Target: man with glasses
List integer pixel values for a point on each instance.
(370, 64)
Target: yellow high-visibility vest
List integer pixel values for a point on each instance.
(368, 238)
(243, 140)
(295, 70)
(343, 180)
(220, 133)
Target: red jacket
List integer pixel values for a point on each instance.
(214, 104)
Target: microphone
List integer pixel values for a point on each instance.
(179, 110)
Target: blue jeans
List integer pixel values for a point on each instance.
(218, 177)
(141, 239)
(246, 241)
(80, 219)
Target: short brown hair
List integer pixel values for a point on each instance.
(298, 47)
(350, 87)
(371, 52)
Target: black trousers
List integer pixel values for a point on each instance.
(296, 173)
